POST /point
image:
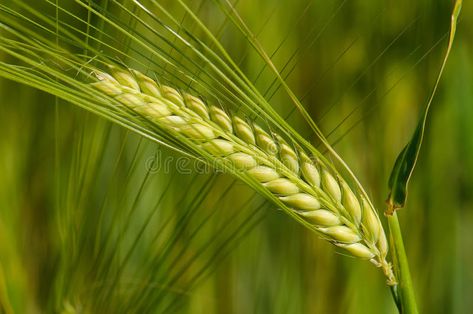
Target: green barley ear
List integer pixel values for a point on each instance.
(307, 187)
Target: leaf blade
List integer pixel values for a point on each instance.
(406, 160)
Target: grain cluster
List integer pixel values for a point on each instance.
(305, 184)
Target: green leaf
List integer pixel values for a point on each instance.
(406, 160)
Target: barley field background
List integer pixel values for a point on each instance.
(96, 218)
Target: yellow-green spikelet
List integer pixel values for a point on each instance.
(305, 185)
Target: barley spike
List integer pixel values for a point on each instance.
(310, 189)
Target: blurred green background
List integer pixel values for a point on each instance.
(90, 224)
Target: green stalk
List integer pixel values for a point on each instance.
(403, 293)
(405, 288)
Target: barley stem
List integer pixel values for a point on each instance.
(401, 266)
